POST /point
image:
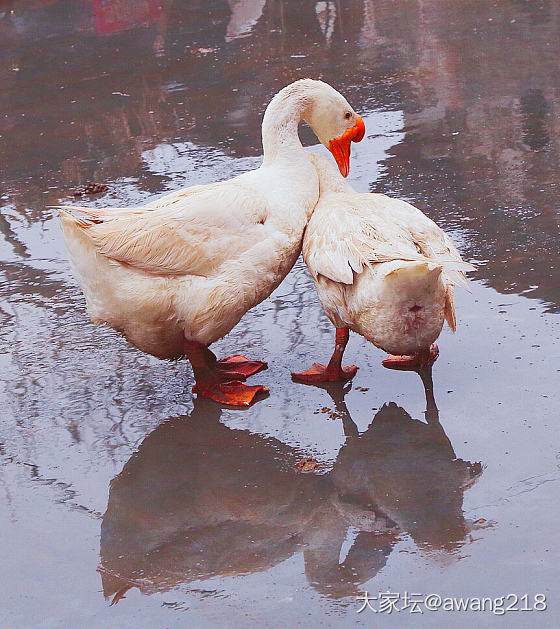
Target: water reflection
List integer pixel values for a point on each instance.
(482, 144)
(481, 149)
(200, 499)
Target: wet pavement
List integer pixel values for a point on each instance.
(116, 487)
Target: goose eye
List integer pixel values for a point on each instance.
(348, 115)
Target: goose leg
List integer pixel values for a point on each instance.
(422, 359)
(221, 380)
(334, 371)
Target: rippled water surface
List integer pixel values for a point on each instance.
(115, 487)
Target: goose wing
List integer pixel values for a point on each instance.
(428, 239)
(189, 232)
(348, 232)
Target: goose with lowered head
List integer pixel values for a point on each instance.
(178, 274)
(383, 269)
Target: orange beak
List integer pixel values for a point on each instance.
(340, 147)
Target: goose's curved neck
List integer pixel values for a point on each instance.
(281, 121)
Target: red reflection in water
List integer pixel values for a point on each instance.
(114, 16)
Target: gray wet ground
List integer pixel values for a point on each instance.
(114, 486)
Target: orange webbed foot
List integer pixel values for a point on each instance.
(233, 392)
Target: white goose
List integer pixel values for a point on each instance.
(178, 274)
(382, 269)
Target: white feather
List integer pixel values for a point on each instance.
(373, 258)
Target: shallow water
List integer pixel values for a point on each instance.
(105, 463)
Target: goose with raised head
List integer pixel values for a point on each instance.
(178, 274)
(383, 269)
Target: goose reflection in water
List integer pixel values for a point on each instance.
(199, 499)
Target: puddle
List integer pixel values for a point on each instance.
(115, 486)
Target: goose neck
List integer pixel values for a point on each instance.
(280, 124)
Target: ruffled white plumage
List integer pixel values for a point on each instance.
(189, 265)
(370, 255)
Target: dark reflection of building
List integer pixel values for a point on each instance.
(200, 499)
(85, 92)
(482, 146)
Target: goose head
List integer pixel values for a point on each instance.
(325, 110)
(334, 122)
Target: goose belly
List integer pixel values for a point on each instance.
(210, 308)
(156, 313)
(395, 318)
(137, 305)
(332, 296)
